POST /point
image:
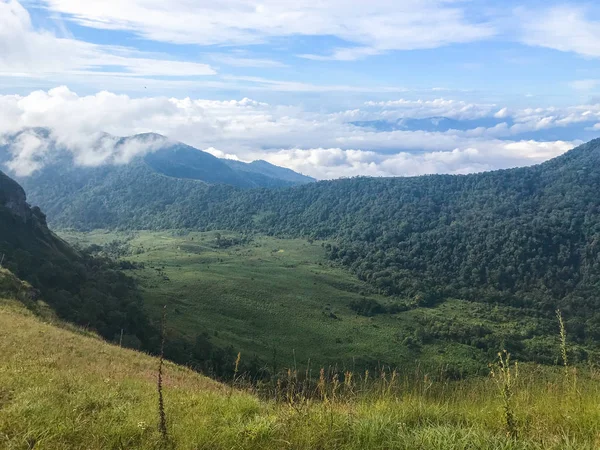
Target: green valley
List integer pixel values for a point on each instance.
(299, 225)
(281, 302)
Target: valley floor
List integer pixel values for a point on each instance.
(62, 388)
(283, 301)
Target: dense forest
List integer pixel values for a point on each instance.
(526, 237)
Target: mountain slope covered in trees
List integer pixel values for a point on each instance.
(526, 237)
(85, 290)
(182, 161)
(45, 157)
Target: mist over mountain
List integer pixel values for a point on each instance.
(34, 152)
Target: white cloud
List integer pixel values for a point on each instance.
(439, 107)
(260, 83)
(532, 119)
(28, 153)
(27, 52)
(566, 28)
(318, 144)
(502, 114)
(377, 25)
(345, 54)
(327, 163)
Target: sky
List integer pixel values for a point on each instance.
(329, 88)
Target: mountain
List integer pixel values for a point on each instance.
(165, 157)
(263, 168)
(182, 161)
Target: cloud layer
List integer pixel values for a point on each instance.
(365, 28)
(323, 145)
(29, 52)
(370, 27)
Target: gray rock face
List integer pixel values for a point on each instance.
(12, 196)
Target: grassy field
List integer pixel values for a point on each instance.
(63, 388)
(280, 299)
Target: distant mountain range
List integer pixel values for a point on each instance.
(165, 157)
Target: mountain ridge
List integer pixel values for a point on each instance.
(162, 154)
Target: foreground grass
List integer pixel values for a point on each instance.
(67, 389)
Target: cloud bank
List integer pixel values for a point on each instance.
(323, 145)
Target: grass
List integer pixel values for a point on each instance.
(62, 388)
(281, 296)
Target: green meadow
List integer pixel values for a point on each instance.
(282, 301)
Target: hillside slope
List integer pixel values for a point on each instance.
(63, 388)
(67, 389)
(85, 290)
(263, 168)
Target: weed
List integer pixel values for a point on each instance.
(505, 376)
(162, 418)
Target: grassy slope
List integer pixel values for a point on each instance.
(283, 294)
(65, 389)
(60, 388)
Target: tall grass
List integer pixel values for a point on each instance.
(162, 417)
(505, 376)
(563, 342)
(63, 390)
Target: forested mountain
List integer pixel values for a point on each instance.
(527, 237)
(182, 161)
(263, 168)
(162, 155)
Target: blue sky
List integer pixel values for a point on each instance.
(527, 74)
